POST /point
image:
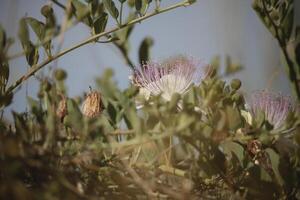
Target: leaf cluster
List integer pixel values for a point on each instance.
(212, 145)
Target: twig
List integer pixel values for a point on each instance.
(122, 132)
(172, 170)
(138, 141)
(121, 12)
(137, 179)
(292, 72)
(37, 67)
(59, 4)
(63, 29)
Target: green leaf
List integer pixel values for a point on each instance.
(36, 109)
(81, 10)
(131, 3)
(141, 6)
(107, 86)
(96, 8)
(234, 118)
(184, 122)
(74, 117)
(297, 53)
(112, 111)
(259, 119)
(190, 97)
(257, 6)
(131, 92)
(288, 22)
(215, 63)
(297, 33)
(100, 23)
(32, 54)
(2, 38)
(174, 101)
(234, 148)
(5, 100)
(232, 68)
(138, 5)
(50, 120)
(110, 6)
(145, 6)
(93, 4)
(39, 29)
(144, 50)
(274, 158)
(50, 26)
(21, 126)
(4, 75)
(23, 32)
(132, 120)
(34, 104)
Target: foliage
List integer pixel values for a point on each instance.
(278, 17)
(81, 157)
(204, 143)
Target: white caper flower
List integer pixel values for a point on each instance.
(275, 107)
(174, 75)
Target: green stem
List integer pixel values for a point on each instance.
(121, 13)
(37, 67)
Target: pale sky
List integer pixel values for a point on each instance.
(206, 29)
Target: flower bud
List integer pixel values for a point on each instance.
(92, 105)
(46, 10)
(60, 74)
(235, 84)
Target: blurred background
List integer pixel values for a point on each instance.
(203, 30)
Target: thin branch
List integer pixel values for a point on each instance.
(292, 72)
(139, 181)
(37, 67)
(121, 12)
(61, 35)
(122, 132)
(59, 4)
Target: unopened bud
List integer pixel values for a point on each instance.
(235, 84)
(92, 105)
(60, 74)
(46, 10)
